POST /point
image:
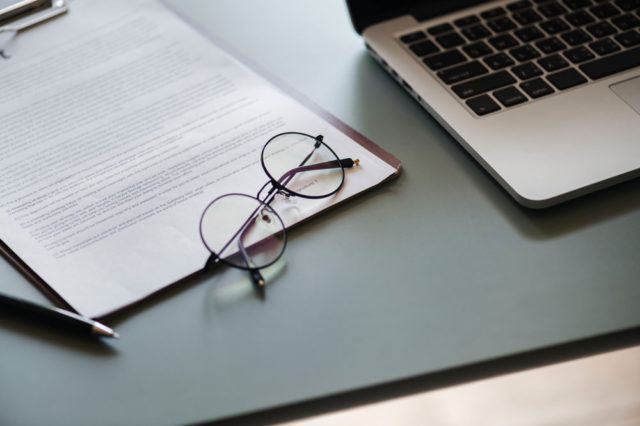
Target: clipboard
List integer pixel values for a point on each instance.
(352, 134)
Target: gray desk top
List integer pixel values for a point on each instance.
(437, 269)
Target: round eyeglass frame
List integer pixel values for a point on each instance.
(283, 189)
(261, 204)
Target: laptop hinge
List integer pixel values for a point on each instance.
(365, 13)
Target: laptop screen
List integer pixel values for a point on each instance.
(368, 12)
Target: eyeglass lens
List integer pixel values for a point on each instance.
(303, 165)
(243, 232)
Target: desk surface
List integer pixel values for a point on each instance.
(436, 270)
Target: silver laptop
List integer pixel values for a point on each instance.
(544, 94)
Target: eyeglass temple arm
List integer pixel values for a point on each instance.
(256, 277)
(345, 163)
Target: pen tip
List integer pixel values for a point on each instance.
(103, 330)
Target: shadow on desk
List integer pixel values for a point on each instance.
(372, 83)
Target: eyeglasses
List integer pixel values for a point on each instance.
(246, 232)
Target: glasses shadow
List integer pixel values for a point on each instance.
(226, 287)
(227, 292)
(372, 84)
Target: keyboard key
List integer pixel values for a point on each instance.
(440, 29)
(528, 34)
(578, 54)
(601, 29)
(536, 88)
(450, 40)
(552, 9)
(550, 45)
(554, 26)
(565, 79)
(504, 41)
(628, 5)
(526, 71)
(424, 48)
(509, 96)
(483, 105)
(527, 17)
(524, 53)
(626, 21)
(476, 32)
(577, 4)
(467, 20)
(604, 47)
(415, 36)
(576, 37)
(553, 63)
(605, 10)
(498, 61)
(493, 13)
(612, 64)
(444, 59)
(483, 84)
(462, 72)
(475, 50)
(579, 18)
(628, 38)
(501, 25)
(518, 5)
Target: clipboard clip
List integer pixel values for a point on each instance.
(9, 30)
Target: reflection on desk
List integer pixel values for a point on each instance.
(597, 390)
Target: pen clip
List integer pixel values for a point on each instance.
(6, 37)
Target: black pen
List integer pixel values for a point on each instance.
(55, 317)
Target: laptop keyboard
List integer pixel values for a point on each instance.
(529, 49)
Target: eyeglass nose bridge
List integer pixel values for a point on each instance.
(275, 188)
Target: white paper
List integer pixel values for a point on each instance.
(119, 124)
